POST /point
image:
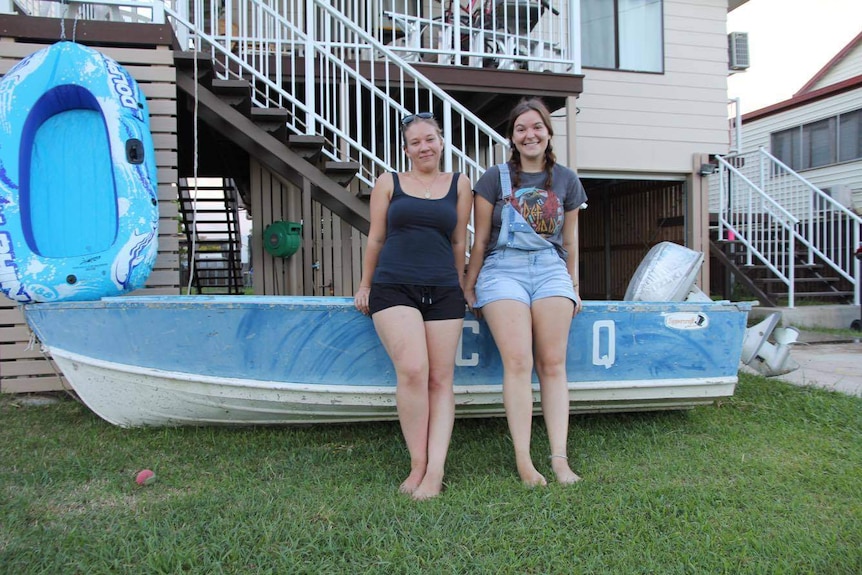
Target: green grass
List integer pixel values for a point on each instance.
(837, 332)
(767, 482)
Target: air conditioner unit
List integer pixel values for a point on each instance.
(737, 51)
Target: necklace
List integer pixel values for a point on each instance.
(426, 186)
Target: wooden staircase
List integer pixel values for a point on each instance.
(812, 281)
(225, 107)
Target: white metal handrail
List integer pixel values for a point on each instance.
(259, 43)
(761, 206)
(755, 220)
(832, 229)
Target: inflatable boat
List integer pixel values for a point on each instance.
(78, 193)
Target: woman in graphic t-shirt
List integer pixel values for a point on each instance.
(522, 276)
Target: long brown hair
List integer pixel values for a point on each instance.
(524, 106)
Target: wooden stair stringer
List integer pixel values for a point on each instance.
(741, 276)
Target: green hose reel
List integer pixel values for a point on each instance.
(282, 239)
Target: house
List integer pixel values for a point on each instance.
(818, 131)
(798, 167)
(295, 112)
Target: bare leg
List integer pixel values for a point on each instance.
(511, 326)
(442, 337)
(552, 318)
(401, 330)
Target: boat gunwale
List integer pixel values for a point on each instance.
(311, 303)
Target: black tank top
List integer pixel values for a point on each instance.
(418, 246)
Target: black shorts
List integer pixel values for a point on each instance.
(433, 302)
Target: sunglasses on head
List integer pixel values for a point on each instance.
(421, 115)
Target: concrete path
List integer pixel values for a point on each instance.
(832, 365)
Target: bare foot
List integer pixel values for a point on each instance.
(412, 482)
(564, 473)
(430, 487)
(530, 476)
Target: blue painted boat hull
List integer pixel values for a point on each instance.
(199, 360)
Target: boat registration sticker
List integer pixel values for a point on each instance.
(686, 320)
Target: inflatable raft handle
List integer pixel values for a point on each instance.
(135, 151)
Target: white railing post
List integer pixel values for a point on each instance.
(6, 7)
(574, 39)
(749, 222)
(310, 56)
(447, 142)
(762, 168)
(738, 131)
(722, 202)
(158, 12)
(791, 274)
(856, 262)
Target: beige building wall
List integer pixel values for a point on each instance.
(642, 124)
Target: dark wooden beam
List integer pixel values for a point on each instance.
(88, 32)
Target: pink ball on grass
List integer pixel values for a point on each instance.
(145, 477)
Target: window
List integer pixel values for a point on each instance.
(622, 35)
(785, 147)
(850, 136)
(821, 143)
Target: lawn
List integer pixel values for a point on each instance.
(769, 481)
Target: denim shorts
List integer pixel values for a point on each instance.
(523, 276)
(433, 302)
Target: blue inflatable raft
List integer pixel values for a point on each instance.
(78, 193)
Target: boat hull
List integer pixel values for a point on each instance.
(248, 360)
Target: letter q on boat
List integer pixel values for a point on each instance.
(78, 192)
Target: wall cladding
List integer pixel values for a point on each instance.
(329, 260)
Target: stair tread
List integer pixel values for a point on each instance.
(306, 140)
(269, 113)
(334, 166)
(184, 59)
(220, 85)
(800, 280)
(341, 172)
(307, 146)
(797, 266)
(815, 293)
(236, 93)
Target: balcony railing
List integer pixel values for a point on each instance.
(140, 11)
(535, 35)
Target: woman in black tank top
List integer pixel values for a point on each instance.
(412, 286)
